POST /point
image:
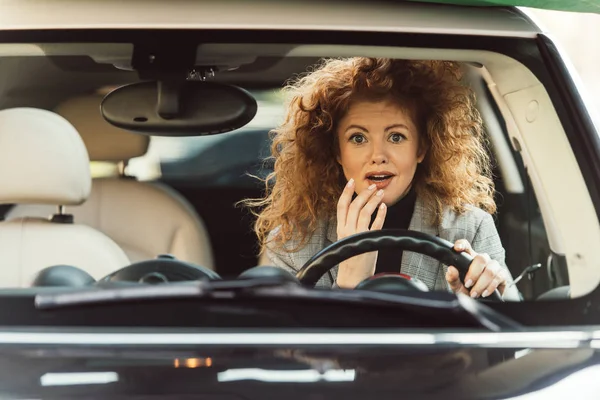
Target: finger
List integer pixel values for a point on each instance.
(498, 281)
(453, 279)
(357, 205)
(476, 269)
(364, 218)
(490, 270)
(464, 245)
(380, 218)
(344, 203)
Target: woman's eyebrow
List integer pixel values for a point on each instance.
(397, 126)
(353, 126)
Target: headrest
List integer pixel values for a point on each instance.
(42, 159)
(103, 141)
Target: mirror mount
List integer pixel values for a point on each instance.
(170, 90)
(173, 98)
(164, 61)
(170, 66)
(169, 98)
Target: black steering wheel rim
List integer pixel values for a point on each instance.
(161, 270)
(408, 240)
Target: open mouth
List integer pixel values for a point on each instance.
(381, 179)
(378, 178)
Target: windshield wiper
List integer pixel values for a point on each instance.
(277, 288)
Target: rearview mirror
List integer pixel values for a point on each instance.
(186, 108)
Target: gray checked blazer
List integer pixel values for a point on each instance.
(475, 225)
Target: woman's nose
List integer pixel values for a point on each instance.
(379, 156)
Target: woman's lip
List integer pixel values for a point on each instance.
(380, 173)
(381, 184)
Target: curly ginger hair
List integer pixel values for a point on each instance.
(307, 180)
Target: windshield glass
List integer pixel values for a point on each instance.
(390, 170)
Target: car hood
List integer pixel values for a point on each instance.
(170, 365)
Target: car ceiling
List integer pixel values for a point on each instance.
(34, 81)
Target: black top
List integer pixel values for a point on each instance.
(398, 217)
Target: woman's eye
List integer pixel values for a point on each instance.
(357, 139)
(397, 137)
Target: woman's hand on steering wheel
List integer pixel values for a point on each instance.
(483, 278)
(354, 216)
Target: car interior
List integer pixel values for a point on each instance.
(144, 218)
(178, 195)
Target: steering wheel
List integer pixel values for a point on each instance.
(165, 268)
(417, 242)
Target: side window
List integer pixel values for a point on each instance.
(519, 220)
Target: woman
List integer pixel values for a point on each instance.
(372, 143)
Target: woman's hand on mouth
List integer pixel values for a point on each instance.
(354, 216)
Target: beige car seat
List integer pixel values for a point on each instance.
(44, 161)
(145, 219)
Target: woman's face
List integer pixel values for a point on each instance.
(379, 144)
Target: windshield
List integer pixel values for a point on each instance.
(387, 170)
(296, 200)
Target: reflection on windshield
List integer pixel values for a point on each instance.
(78, 378)
(292, 376)
(585, 384)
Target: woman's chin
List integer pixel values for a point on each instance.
(390, 199)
